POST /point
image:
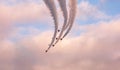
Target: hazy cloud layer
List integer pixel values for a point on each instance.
(97, 48)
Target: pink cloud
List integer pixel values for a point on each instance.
(96, 49)
(7, 55)
(23, 12)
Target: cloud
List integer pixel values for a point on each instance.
(87, 10)
(103, 1)
(9, 2)
(23, 11)
(11, 15)
(95, 49)
(7, 55)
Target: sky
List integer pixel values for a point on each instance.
(26, 29)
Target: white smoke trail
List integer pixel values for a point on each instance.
(72, 14)
(65, 14)
(51, 5)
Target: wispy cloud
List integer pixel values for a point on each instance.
(89, 11)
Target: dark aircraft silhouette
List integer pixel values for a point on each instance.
(56, 38)
(46, 51)
(58, 30)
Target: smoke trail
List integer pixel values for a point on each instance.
(72, 14)
(51, 5)
(65, 14)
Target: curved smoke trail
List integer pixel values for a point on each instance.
(72, 14)
(65, 15)
(51, 5)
